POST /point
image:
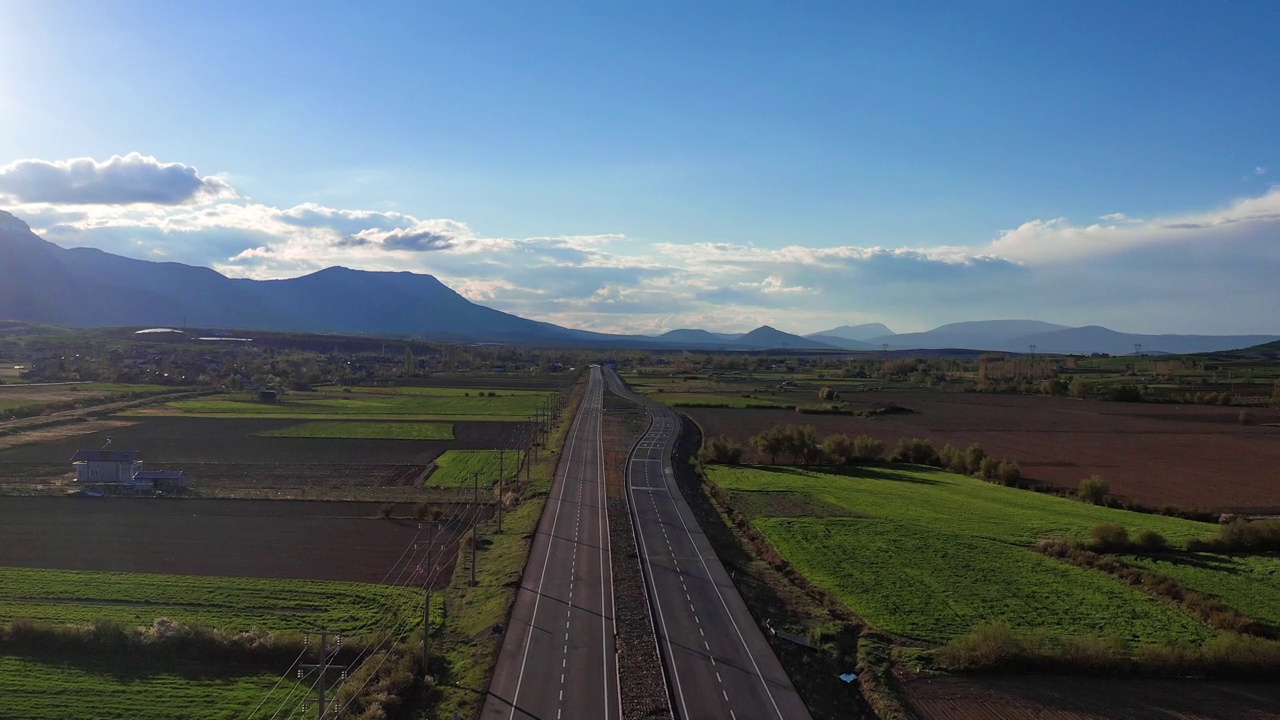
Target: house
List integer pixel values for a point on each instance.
(106, 466)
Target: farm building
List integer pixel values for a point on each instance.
(106, 466)
(111, 472)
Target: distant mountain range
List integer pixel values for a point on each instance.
(82, 287)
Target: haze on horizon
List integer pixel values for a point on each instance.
(644, 168)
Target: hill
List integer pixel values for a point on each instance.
(767, 338)
(859, 333)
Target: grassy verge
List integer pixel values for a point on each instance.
(365, 430)
(468, 643)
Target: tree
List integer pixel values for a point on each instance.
(827, 394)
(868, 449)
(973, 457)
(1010, 473)
(722, 450)
(915, 451)
(1081, 388)
(770, 442)
(839, 448)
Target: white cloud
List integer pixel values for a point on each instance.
(121, 180)
(1259, 171)
(1210, 268)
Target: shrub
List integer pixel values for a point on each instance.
(915, 451)
(1245, 417)
(989, 469)
(386, 510)
(1109, 537)
(839, 448)
(987, 647)
(1152, 541)
(722, 450)
(973, 457)
(868, 449)
(951, 458)
(1251, 536)
(1094, 490)
(827, 394)
(1010, 473)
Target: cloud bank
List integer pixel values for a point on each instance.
(121, 180)
(1200, 271)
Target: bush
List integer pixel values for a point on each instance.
(1010, 473)
(951, 458)
(915, 451)
(973, 457)
(386, 510)
(1094, 490)
(1109, 537)
(1152, 541)
(839, 448)
(989, 468)
(987, 647)
(868, 449)
(722, 450)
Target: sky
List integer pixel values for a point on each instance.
(642, 167)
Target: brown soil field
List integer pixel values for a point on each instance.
(1191, 456)
(1068, 698)
(225, 538)
(51, 433)
(225, 453)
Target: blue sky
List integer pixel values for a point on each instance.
(640, 167)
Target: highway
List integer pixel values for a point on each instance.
(718, 663)
(558, 659)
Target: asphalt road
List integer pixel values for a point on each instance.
(558, 660)
(718, 663)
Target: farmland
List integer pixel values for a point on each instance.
(456, 468)
(55, 689)
(929, 555)
(405, 403)
(72, 597)
(1248, 583)
(1192, 456)
(32, 399)
(338, 430)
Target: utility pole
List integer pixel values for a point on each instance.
(1033, 351)
(426, 602)
(323, 668)
(501, 476)
(475, 523)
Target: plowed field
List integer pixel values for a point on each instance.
(1189, 456)
(1060, 698)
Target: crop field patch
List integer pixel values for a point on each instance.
(365, 403)
(302, 540)
(368, 430)
(45, 690)
(930, 555)
(70, 597)
(16, 396)
(457, 468)
(934, 585)
(1078, 698)
(1158, 454)
(1248, 583)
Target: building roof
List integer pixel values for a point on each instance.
(159, 475)
(106, 456)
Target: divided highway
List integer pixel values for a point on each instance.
(718, 663)
(558, 660)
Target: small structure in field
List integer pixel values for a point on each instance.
(117, 472)
(106, 466)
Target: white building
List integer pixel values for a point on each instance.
(106, 466)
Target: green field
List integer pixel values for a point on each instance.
(930, 555)
(455, 468)
(234, 604)
(364, 430)
(410, 403)
(36, 690)
(1248, 583)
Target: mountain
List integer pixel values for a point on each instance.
(696, 338)
(977, 335)
(1094, 338)
(767, 338)
(82, 287)
(840, 342)
(860, 333)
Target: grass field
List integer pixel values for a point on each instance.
(410, 403)
(232, 604)
(1250, 584)
(36, 690)
(455, 467)
(929, 555)
(29, 397)
(364, 430)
